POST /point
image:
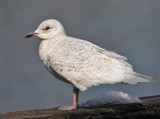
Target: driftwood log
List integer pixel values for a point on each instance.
(149, 109)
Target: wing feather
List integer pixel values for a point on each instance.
(85, 64)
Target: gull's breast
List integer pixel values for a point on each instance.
(46, 48)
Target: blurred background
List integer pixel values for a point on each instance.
(128, 27)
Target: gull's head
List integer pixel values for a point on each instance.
(48, 29)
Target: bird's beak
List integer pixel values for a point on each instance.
(31, 34)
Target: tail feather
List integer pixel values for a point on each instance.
(134, 78)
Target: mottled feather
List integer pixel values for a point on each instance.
(84, 64)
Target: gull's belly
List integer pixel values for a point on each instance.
(55, 74)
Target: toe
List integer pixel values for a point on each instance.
(67, 108)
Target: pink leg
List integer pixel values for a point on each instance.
(75, 101)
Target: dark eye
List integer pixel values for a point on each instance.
(47, 28)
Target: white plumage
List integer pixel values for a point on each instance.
(80, 62)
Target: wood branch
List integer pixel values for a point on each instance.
(147, 110)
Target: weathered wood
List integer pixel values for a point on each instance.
(146, 110)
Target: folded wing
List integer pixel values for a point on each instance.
(85, 64)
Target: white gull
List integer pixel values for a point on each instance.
(80, 62)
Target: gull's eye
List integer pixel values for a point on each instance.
(47, 28)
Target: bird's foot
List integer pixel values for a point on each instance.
(67, 108)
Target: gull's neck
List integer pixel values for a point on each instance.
(53, 41)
